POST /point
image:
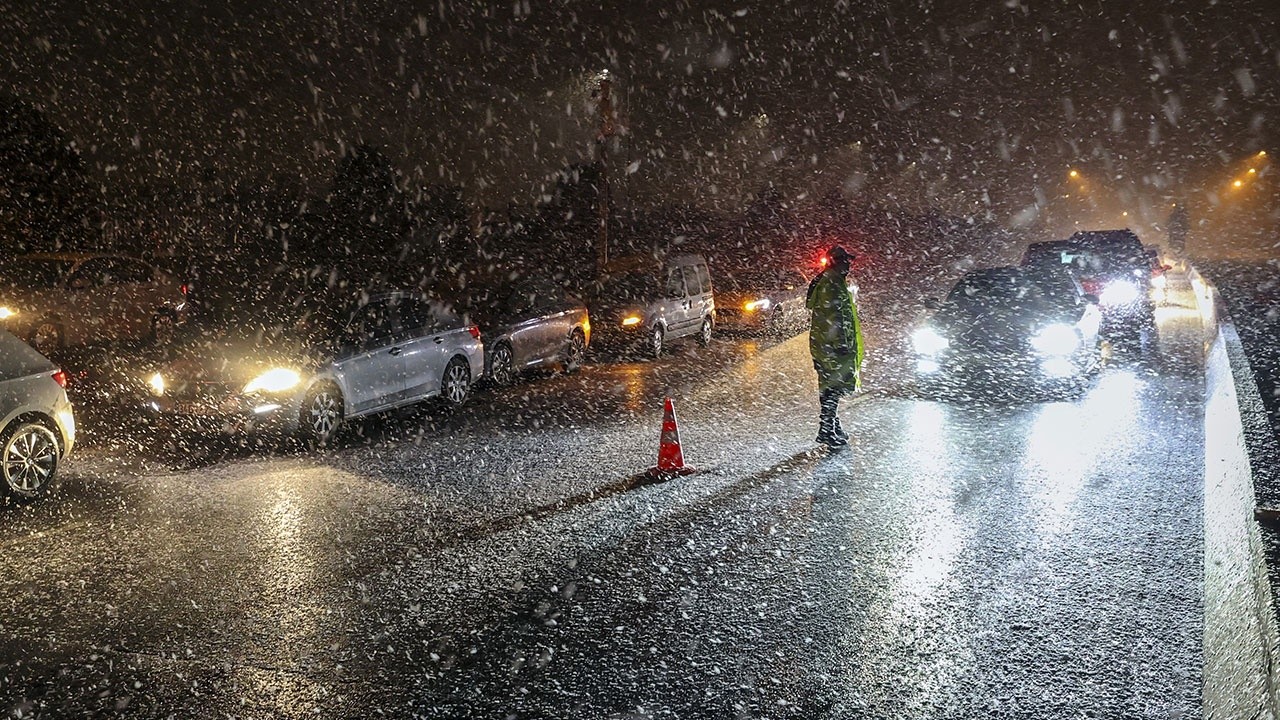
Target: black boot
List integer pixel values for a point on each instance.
(838, 430)
(828, 436)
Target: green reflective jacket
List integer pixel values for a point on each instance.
(835, 337)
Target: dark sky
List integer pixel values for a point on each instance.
(991, 100)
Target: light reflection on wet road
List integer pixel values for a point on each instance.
(976, 559)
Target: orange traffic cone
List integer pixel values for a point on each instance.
(670, 458)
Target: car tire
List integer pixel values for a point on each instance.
(657, 338)
(455, 386)
(502, 371)
(323, 413)
(576, 353)
(29, 457)
(704, 333)
(46, 336)
(164, 326)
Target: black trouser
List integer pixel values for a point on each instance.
(828, 401)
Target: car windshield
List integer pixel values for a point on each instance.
(760, 279)
(34, 273)
(629, 287)
(995, 293)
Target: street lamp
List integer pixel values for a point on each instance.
(1074, 173)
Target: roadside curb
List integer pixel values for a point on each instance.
(1242, 462)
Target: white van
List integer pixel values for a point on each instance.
(644, 303)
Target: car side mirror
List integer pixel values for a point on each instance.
(1091, 299)
(932, 304)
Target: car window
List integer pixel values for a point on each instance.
(94, 272)
(691, 280)
(416, 318)
(675, 283)
(132, 271)
(372, 324)
(704, 277)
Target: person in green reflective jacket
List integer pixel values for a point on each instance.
(835, 342)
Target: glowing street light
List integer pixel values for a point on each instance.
(1253, 171)
(1237, 184)
(1074, 173)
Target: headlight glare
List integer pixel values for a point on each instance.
(631, 321)
(273, 381)
(1120, 292)
(1056, 340)
(929, 341)
(761, 304)
(156, 382)
(7, 312)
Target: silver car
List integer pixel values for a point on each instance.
(397, 349)
(37, 426)
(643, 304)
(58, 300)
(535, 325)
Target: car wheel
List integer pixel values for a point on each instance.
(46, 337)
(163, 329)
(502, 366)
(29, 460)
(576, 353)
(656, 339)
(704, 334)
(322, 414)
(455, 386)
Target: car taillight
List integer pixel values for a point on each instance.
(475, 332)
(184, 287)
(60, 377)
(1091, 286)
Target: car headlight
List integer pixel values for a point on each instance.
(273, 381)
(7, 312)
(1120, 292)
(156, 382)
(929, 341)
(631, 321)
(761, 304)
(1056, 340)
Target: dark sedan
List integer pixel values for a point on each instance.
(534, 325)
(1008, 327)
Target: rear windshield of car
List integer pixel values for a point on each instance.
(34, 273)
(988, 292)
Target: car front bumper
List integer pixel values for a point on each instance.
(228, 415)
(999, 369)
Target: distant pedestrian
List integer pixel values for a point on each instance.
(835, 342)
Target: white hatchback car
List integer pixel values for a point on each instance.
(37, 427)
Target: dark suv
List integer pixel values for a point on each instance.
(1113, 270)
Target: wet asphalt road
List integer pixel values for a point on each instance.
(994, 558)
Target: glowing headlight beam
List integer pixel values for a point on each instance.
(1056, 340)
(761, 304)
(631, 321)
(1121, 292)
(273, 381)
(928, 341)
(7, 312)
(156, 382)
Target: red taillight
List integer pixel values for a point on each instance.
(184, 288)
(824, 260)
(475, 332)
(60, 377)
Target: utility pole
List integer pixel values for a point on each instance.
(604, 102)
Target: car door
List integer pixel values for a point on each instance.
(90, 310)
(524, 326)
(558, 323)
(424, 348)
(371, 364)
(675, 304)
(136, 297)
(695, 302)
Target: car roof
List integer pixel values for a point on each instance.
(1106, 237)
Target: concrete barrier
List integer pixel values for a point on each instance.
(1241, 641)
